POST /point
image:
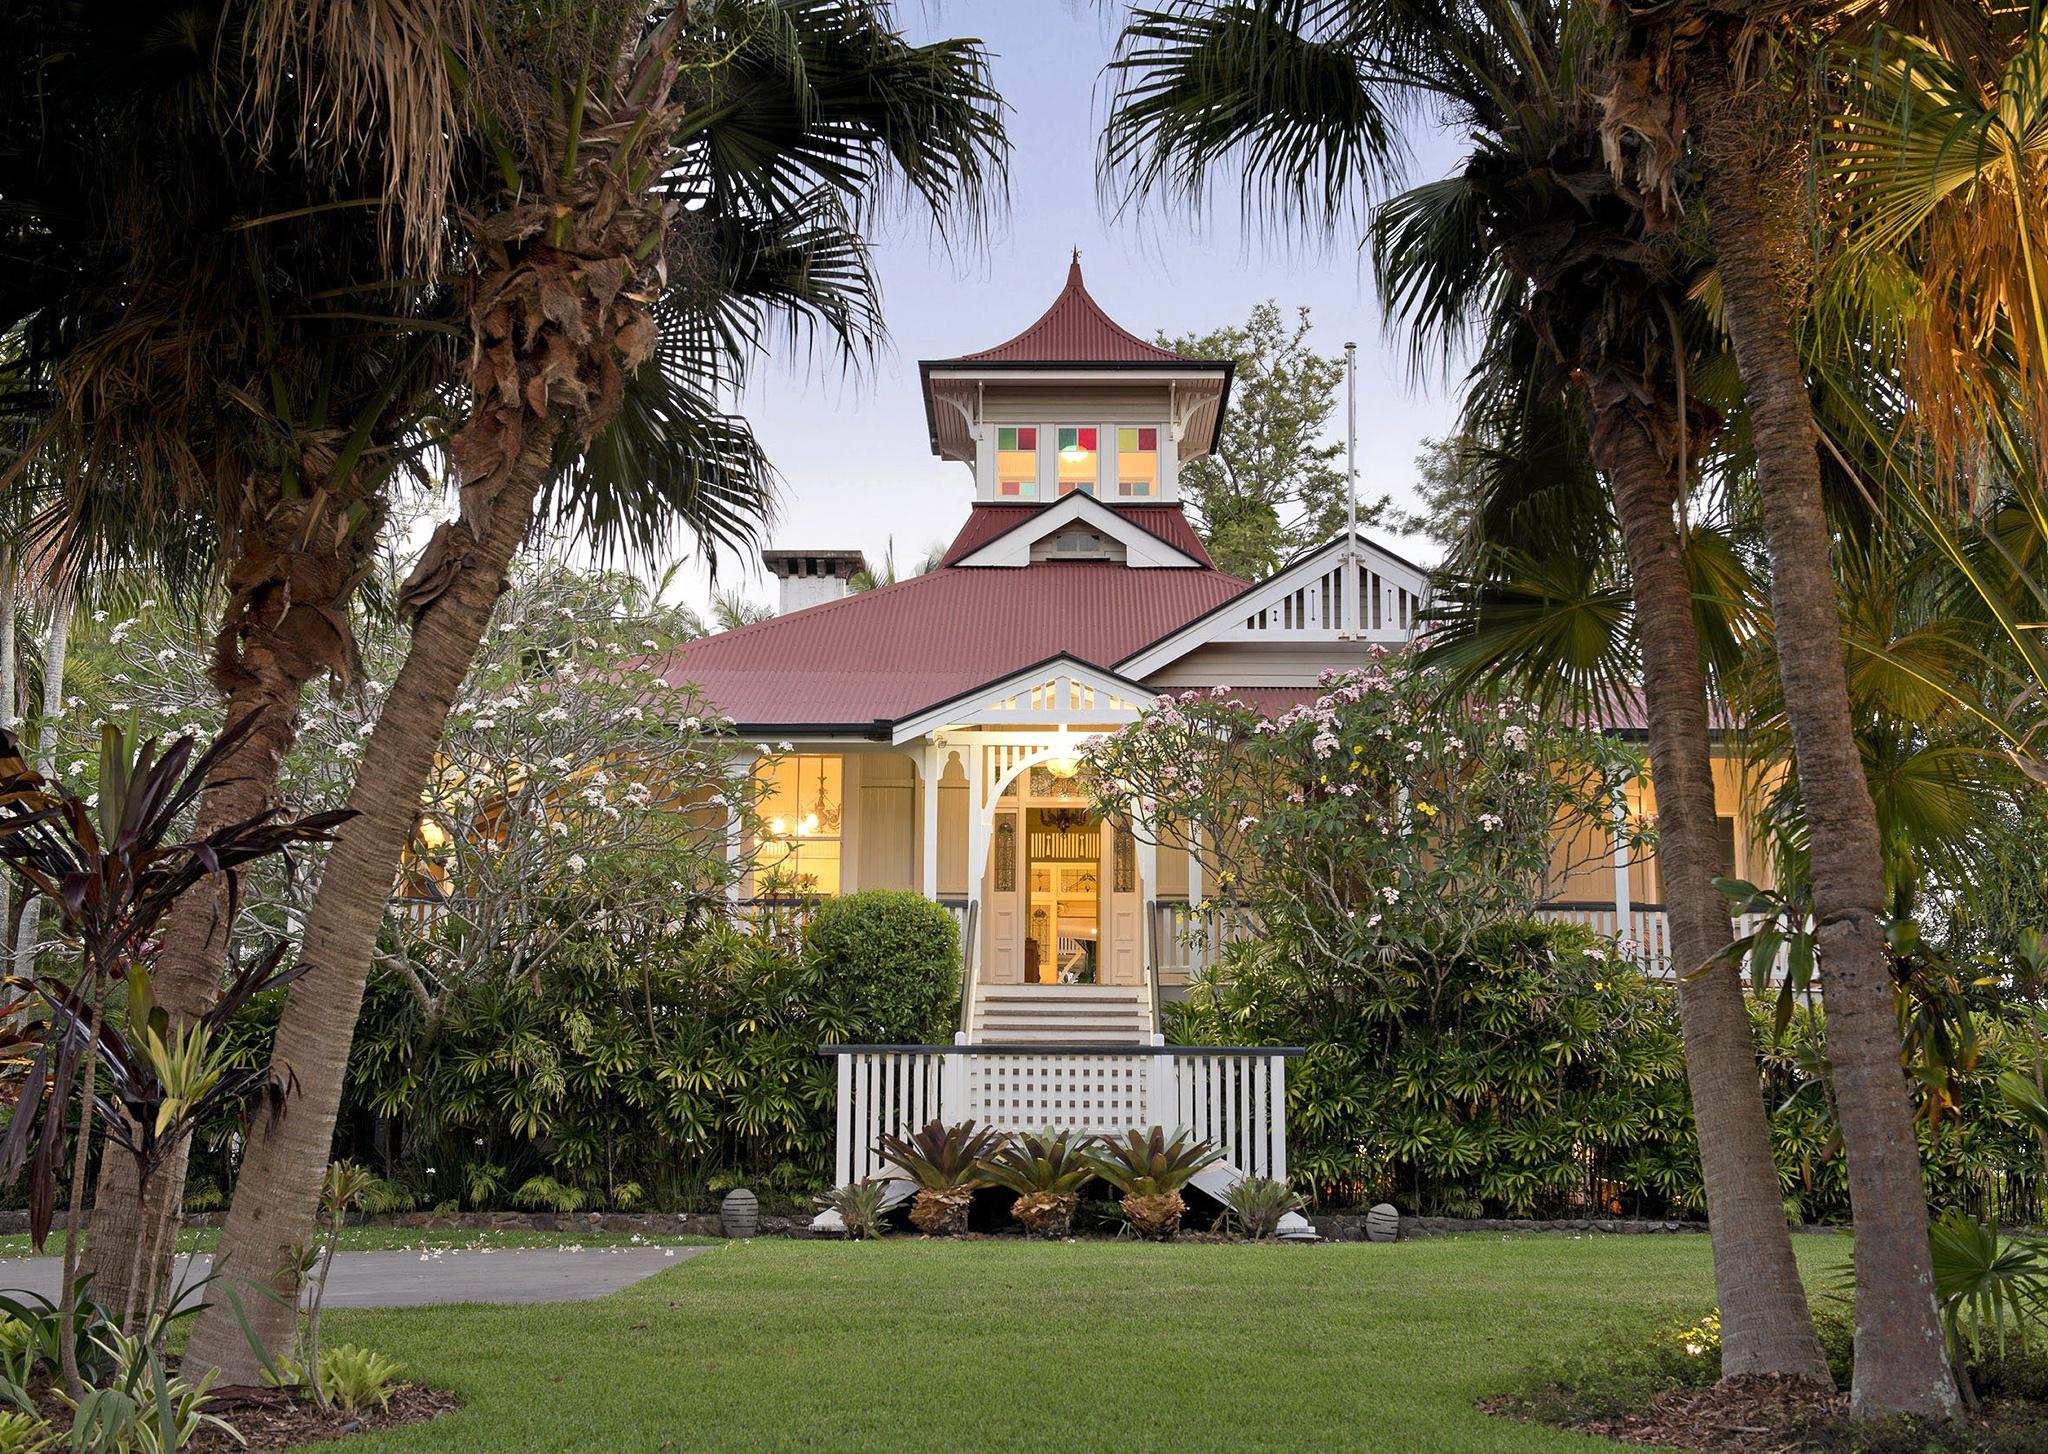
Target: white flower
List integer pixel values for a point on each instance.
(1246, 821)
(75, 767)
(555, 714)
(762, 748)
(485, 724)
(784, 747)
(560, 764)
(1391, 894)
(1490, 822)
(557, 827)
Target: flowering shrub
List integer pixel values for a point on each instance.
(1372, 822)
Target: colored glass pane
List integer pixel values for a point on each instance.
(1137, 460)
(1077, 458)
(1017, 461)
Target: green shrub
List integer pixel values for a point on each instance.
(897, 956)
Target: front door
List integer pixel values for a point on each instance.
(1063, 930)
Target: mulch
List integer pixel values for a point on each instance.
(1767, 1414)
(1752, 1414)
(269, 1419)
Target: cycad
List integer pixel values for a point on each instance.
(1150, 1171)
(1047, 1172)
(946, 1162)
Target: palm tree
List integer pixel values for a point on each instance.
(1533, 239)
(1539, 248)
(753, 134)
(1700, 75)
(218, 351)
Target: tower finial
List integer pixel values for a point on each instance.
(1074, 270)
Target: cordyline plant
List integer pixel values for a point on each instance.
(112, 867)
(1372, 821)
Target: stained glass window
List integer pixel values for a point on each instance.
(1017, 461)
(1137, 460)
(1124, 875)
(1077, 458)
(1006, 856)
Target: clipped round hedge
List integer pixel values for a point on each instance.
(895, 957)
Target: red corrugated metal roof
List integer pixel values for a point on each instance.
(1075, 330)
(887, 653)
(989, 522)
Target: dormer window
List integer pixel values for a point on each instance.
(1017, 462)
(1077, 445)
(1137, 462)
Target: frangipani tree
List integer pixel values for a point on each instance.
(1368, 820)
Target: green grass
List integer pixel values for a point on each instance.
(395, 1239)
(1000, 1345)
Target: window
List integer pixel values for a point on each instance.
(800, 818)
(1017, 461)
(1137, 461)
(1077, 458)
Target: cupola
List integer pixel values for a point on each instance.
(1075, 404)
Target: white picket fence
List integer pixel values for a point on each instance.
(1648, 930)
(1234, 1099)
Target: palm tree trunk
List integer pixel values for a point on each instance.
(1766, 1326)
(557, 319)
(265, 679)
(276, 1199)
(1901, 1366)
(56, 646)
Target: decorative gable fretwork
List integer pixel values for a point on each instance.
(1362, 593)
(1061, 692)
(1380, 608)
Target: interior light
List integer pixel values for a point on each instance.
(810, 824)
(1063, 764)
(1074, 454)
(777, 827)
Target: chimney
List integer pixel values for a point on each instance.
(812, 577)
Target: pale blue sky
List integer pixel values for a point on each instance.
(853, 453)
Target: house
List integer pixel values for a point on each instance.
(925, 735)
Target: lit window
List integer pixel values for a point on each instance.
(1137, 461)
(1017, 461)
(800, 819)
(1077, 458)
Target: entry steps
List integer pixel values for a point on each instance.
(1065, 1014)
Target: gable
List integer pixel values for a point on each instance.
(1349, 589)
(1141, 548)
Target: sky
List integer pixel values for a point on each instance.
(855, 463)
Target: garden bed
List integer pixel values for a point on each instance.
(268, 1419)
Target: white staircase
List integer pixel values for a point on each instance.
(1047, 1014)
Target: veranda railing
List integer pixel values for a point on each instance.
(1234, 1098)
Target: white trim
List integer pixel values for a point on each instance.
(1063, 690)
(1142, 549)
(1293, 603)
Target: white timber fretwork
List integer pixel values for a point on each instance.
(1233, 1099)
(1343, 591)
(1060, 692)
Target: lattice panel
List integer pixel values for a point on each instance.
(1090, 1093)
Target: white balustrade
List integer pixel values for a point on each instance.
(1233, 1099)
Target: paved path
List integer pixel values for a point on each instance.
(441, 1275)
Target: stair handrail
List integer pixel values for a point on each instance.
(968, 941)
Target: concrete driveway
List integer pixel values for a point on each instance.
(440, 1275)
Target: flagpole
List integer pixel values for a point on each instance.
(1350, 449)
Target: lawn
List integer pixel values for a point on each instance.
(1002, 1345)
